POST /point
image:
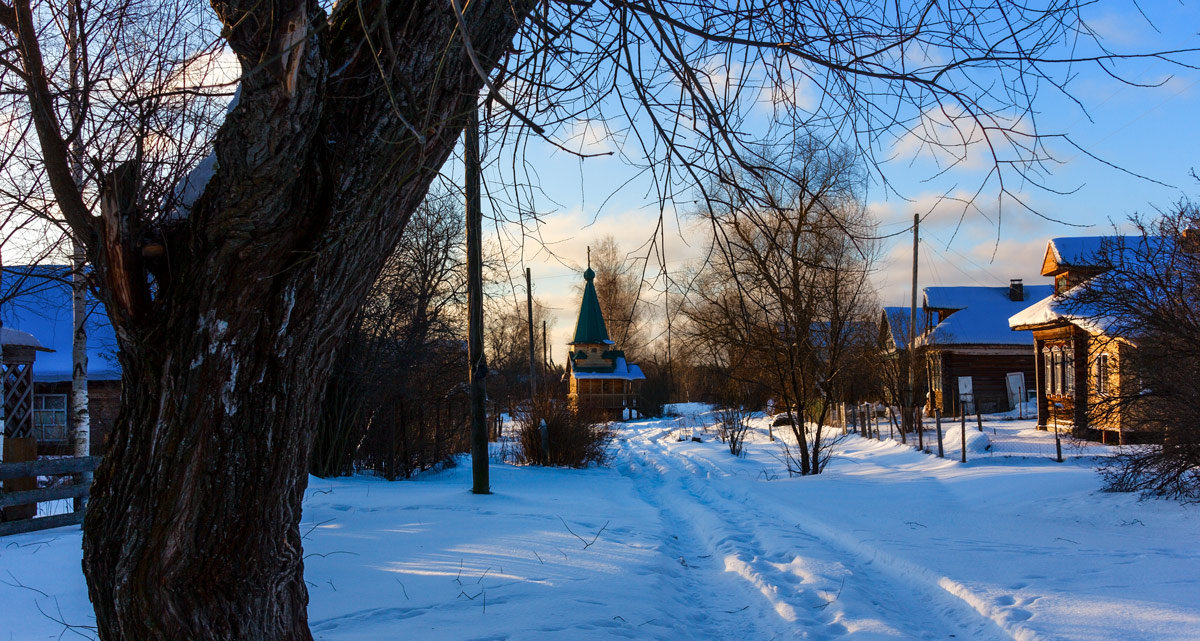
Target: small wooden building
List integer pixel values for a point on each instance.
(42, 307)
(600, 377)
(1077, 361)
(19, 350)
(972, 356)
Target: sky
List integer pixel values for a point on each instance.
(1150, 134)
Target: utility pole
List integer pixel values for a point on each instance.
(529, 312)
(545, 346)
(912, 336)
(475, 356)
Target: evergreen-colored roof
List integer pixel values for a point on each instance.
(589, 328)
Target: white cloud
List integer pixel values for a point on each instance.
(591, 137)
(984, 242)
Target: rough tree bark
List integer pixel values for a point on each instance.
(342, 122)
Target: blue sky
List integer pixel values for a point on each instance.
(1152, 132)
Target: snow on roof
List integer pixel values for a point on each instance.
(10, 336)
(1096, 251)
(1077, 251)
(982, 316)
(621, 371)
(1091, 251)
(1066, 307)
(42, 308)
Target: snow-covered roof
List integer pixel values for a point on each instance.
(621, 371)
(1076, 251)
(42, 307)
(1096, 251)
(1054, 308)
(982, 316)
(10, 336)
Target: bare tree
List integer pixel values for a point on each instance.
(506, 342)
(788, 300)
(619, 289)
(231, 291)
(404, 351)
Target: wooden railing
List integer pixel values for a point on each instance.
(608, 400)
(45, 467)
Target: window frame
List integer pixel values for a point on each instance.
(39, 410)
(1102, 373)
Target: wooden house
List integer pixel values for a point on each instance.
(600, 377)
(1078, 361)
(40, 304)
(974, 361)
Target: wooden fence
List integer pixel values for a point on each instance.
(46, 467)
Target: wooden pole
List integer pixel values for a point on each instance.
(912, 334)
(937, 417)
(545, 346)
(919, 425)
(962, 433)
(477, 361)
(978, 418)
(1057, 439)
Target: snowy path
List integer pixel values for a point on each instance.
(753, 569)
(678, 540)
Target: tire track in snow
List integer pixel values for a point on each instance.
(689, 587)
(799, 582)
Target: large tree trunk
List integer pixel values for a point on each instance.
(193, 526)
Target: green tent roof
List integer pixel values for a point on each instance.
(590, 326)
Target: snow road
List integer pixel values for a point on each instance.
(679, 540)
(761, 570)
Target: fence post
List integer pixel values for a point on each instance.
(918, 425)
(937, 417)
(1057, 439)
(963, 435)
(979, 419)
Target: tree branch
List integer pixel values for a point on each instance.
(54, 148)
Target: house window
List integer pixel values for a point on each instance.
(1102, 374)
(1048, 370)
(50, 418)
(1068, 365)
(1055, 371)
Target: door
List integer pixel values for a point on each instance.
(966, 395)
(1015, 384)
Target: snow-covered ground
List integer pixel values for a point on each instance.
(680, 540)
